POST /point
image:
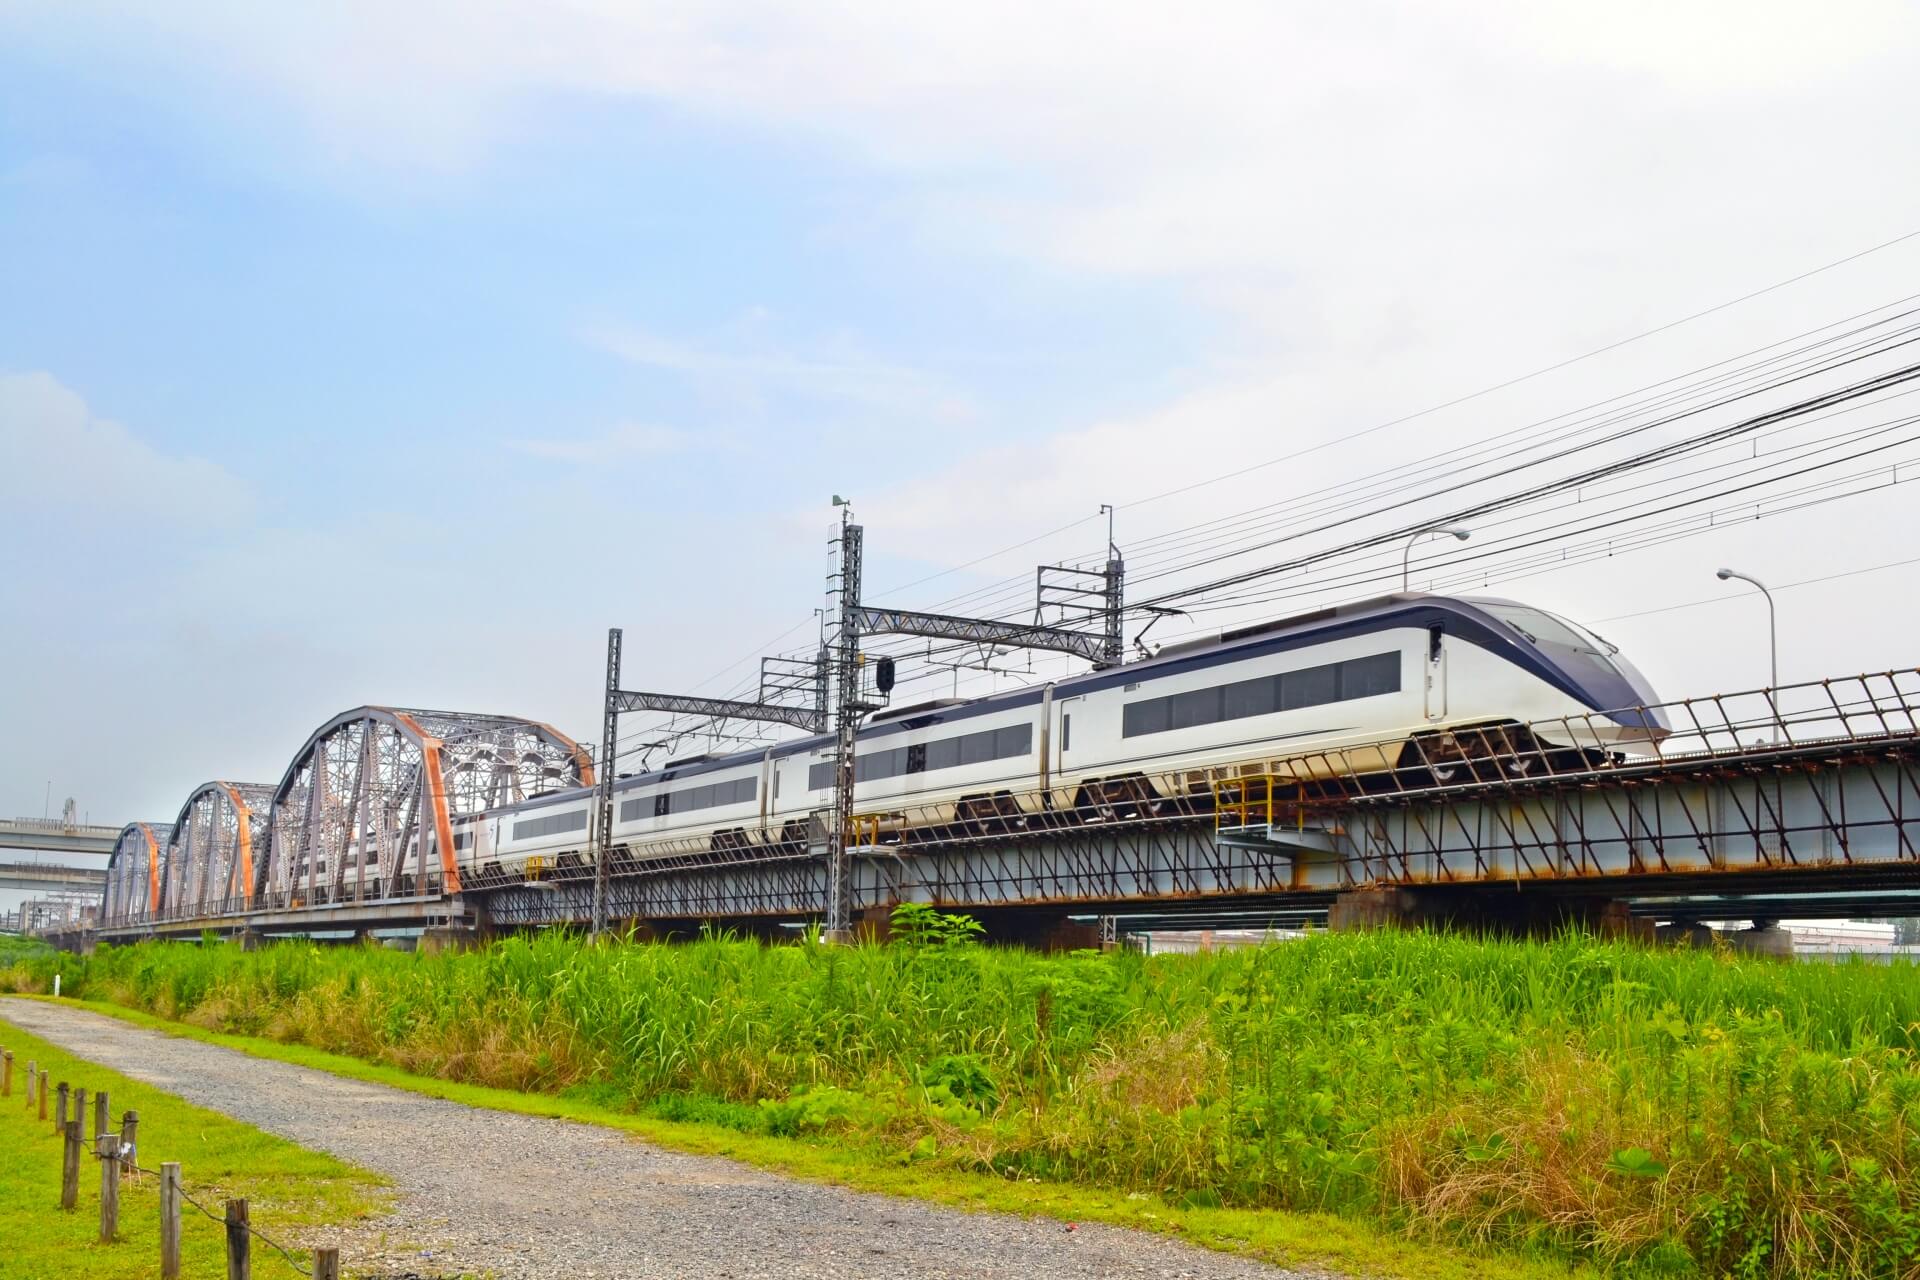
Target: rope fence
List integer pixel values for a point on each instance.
(114, 1149)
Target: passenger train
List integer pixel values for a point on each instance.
(1378, 682)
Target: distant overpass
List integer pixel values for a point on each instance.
(50, 877)
(51, 835)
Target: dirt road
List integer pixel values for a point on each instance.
(525, 1198)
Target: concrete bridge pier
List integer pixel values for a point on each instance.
(1761, 938)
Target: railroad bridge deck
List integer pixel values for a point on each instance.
(1803, 800)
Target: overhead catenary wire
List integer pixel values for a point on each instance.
(1542, 371)
(1165, 558)
(1461, 515)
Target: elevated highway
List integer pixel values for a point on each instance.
(1795, 801)
(50, 877)
(52, 835)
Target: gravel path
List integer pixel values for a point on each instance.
(526, 1198)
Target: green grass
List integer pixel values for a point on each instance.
(1297, 1239)
(1648, 1111)
(292, 1193)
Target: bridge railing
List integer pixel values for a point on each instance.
(217, 910)
(1754, 727)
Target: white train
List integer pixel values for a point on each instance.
(1380, 682)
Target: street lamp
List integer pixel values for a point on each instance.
(1773, 621)
(1406, 556)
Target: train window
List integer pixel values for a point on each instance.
(1194, 708)
(1312, 687)
(552, 824)
(943, 753)
(738, 791)
(1250, 698)
(1148, 716)
(875, 765)
(1365, 677)
(1066, 733)
(1290, 691)
(1544, 628)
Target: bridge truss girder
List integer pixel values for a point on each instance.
(133, 870)
(374, 792)
(218, 839)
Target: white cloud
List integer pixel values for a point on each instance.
(627, 440)
(56, 453)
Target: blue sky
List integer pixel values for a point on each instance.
(392, 354)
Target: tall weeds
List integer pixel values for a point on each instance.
(1677, 1112)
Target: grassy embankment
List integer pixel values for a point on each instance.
(291, 1191)
(1677, 1113)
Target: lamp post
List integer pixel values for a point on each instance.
(1406, 556)
(1773, 620)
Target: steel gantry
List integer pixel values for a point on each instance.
(365, 811)
(133, 871)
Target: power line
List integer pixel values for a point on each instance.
(1525, 377)
(1649, 457)
(1784, 586)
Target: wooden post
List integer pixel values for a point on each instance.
(6, 1073)
(80, 1108)
(326, 1264)
(109, 1151)
(239, 1242)
(33, 1076)
(60, 1112)
(170, 1220)
(100, 1115)
(43, 1095)
(70, 1167)
(129, 1131)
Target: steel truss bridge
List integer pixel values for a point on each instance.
(1798, 801)
(357, 832)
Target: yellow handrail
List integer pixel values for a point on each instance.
(1254, 801)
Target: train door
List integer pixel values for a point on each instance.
(1063, 718)
(1436, 672)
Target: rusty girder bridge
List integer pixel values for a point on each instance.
(357, 833)
(1798, 801)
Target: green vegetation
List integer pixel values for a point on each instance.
(291, 1191)
(1345, 1246)
(14, 948)
(1659, 1112)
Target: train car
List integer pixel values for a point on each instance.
(1359, 688)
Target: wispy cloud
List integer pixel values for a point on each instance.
(628, 440)
(56, 452)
